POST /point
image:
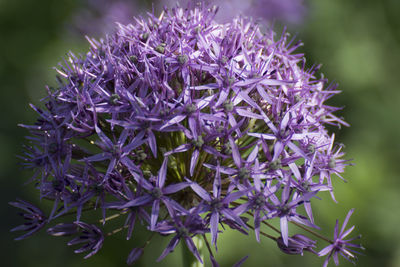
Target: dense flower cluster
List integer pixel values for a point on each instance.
(186, 125)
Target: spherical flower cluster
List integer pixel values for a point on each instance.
(188, 127)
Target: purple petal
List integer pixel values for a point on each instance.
(98, 157)
(235, 195)
(346, 233)
(162, 174)
(193, 127)
(214, 263)
(152, 143)
(173, 188)
(193, 161)
(154, 214)
(278, 148)
(235, 153)
(346, 220)
(181, 148)
(136, 142)
(257, 221)
(214, 221)
(103, 137)
(191, 246)
(176, 119)
(200, 191)
(326, 250)
(248, 114)
(134, 255)
(284, 230)
(139, 201)
(240, 262)
(171, 246)
(264, 136)
(253, 155)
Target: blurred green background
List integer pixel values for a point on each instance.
(358, 43)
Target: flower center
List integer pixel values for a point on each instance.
(113, 100)
(190, 108)
(156, 192)
(182, 59)
(332, 163)
(199, 142)
(228, 106)
(276, 164)
(244, 173)
(182, 231)
(259, 202)
(216, 204)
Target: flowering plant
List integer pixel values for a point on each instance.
(186, 126)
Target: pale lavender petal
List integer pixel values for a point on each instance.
(176, 119)
(264, 136)
(193, 161)
(162, 174)
(173, 188)
(103, 137)
(346, 220)
(134, 255)
(154, 213)
(171, 246)
(152, 143)
(139, 201)
(200, 191)
(240, 262)
(284, 230)
(235, 153)
(214, 221)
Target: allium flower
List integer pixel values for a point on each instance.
(89, 235)
(186, 126)
(297, 244)
(341, 245)
(34, 219)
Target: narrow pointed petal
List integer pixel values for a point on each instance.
(214, 221)
(284, 230)
(193, 161)
(154, 213)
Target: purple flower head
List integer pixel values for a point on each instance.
(340, 245)
(296, 244)
(186, 126)
(88, 234)
(134, 255)
(184, 229)
(34, 219)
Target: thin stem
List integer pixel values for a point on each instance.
(262, 233)
(111, 217)
(116, 230)
(148, 240)
(189, 260)
(208, 245)
(267, 224)
(312, 232)
(272, 227)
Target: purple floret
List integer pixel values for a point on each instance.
(341, 246)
